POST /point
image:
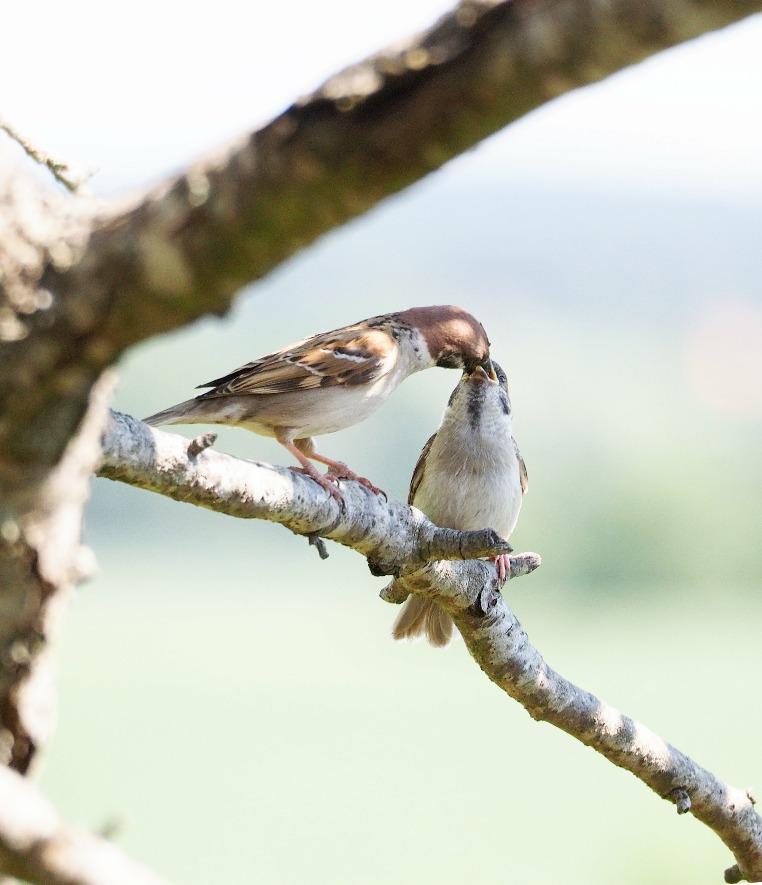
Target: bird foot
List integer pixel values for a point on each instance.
(324, 480)
(341, 471)
(503, 566)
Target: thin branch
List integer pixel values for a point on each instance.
(399, 538)
(390, 534)
(36, 846)
(61, 171)
(521, 564)
(498, 643)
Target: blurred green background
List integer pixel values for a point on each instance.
(239, 703)
(236, 705)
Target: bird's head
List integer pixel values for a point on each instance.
(481, 401)
(455, 338)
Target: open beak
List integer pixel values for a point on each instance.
(484, 372)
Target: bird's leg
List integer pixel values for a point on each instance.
(336, 469)
(503, 566)
(309, 469)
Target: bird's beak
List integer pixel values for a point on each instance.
(483, 372)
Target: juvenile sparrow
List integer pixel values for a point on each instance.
(334, 380)
(470, 475)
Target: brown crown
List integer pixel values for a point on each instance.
(450, 331)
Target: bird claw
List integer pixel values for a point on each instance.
(344, 472)
(503, 566)
(326, 481)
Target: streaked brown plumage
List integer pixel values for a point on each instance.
(334, 380)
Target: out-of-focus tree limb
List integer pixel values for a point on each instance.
(36, 846)
(188, 246)
(59, 169)
(80, 282)
(41, 556)
(399, 539)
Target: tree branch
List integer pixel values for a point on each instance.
(389, 534)
(79, 282)
(366, 133)
(36, 846)
(402, 540)
(60, 170)
(185, 248)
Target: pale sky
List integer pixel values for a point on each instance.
(138, 90)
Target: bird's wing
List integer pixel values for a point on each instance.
(350, 356)
(419, 468)
(522, 470)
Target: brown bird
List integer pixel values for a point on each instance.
(334, 380)
(469, 476)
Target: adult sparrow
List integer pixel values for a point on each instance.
(470, 475)
(334, 380)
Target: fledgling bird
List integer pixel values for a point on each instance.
(469, 476)
(334, 380)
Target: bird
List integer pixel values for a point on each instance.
(334, 380)
(470, 475)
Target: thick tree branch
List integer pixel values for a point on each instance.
(79, 282)
(187, 247)
(35, 846)
(368, 132)
(41, 555)
(401, 538)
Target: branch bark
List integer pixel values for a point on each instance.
(36, 846)
(402, 540)
(185, 248)
(79, 282)
(391, 535)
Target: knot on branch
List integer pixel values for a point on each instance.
(395, 593)
(486, 601)
(200, 443)
(523, 564)
(681, 799)
(318, 543)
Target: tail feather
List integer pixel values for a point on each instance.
(423, 617)
(192, 411)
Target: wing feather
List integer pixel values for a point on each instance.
(350, 356)
(522, 470)
(419, 469)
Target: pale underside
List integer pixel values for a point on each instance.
(473, 484)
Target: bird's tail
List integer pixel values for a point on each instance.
(192, 411)
(423, 617)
